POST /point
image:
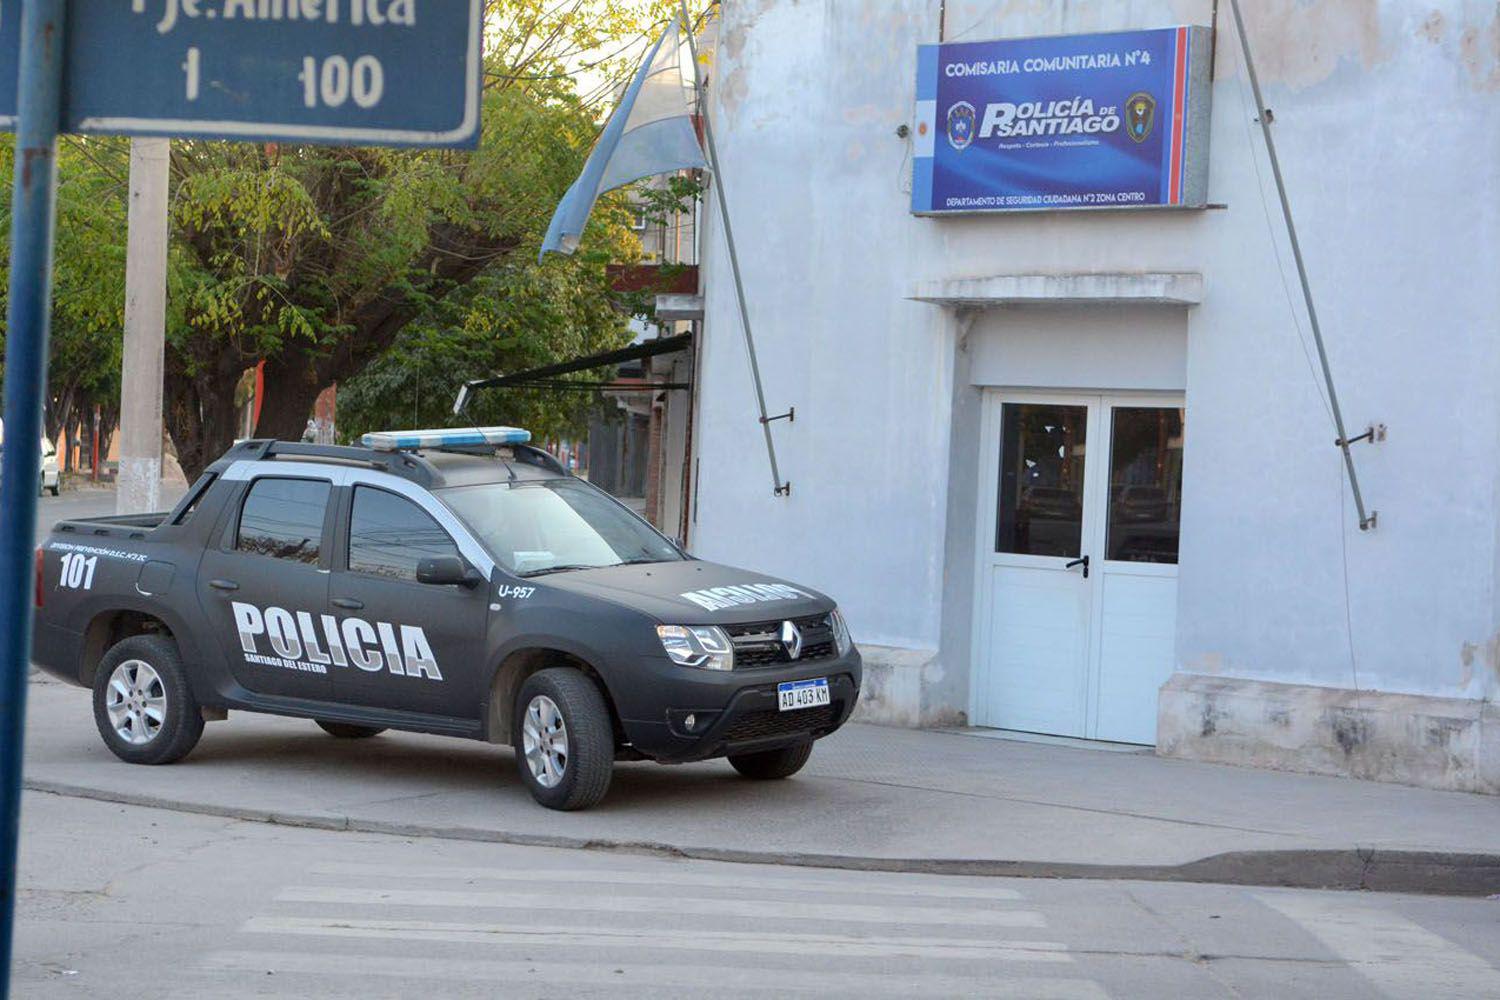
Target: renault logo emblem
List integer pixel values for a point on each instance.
(791, 640)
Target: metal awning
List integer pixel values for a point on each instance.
(550, 376)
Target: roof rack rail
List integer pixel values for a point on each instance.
(533, 455)
(398, 463)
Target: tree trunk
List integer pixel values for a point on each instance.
(57, 415)
(291, 388)
(200, 413)
(73, 427)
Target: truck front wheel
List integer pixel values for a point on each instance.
(142, 704)
(564, 742)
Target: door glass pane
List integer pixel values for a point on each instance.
(284, 518)
(389, 535)
(1041, 479)
(1145, 484)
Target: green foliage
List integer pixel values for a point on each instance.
(519, 316)
(396, 273)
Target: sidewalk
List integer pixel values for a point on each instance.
(871, 797)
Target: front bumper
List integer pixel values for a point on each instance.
(736, 711)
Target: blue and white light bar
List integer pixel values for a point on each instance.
(444, 437)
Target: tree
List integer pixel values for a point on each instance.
(88, 290)
(315, 260)
(515, 316)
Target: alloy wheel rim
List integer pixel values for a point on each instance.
(544, 740)
(136, 702)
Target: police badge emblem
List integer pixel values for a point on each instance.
(1140, 115)
(961, 125)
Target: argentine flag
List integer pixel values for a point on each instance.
(651, 132)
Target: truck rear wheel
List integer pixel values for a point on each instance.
(564, 742)
(768, 765)
(143, 706)
(349, 731)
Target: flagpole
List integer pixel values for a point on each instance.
(1263, 115)
(781, 488)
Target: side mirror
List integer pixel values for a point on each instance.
(447, 571)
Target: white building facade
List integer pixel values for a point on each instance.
(981, 400)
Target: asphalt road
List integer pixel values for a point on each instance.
(122, 901)
(86, 501)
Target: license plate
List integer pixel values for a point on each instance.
(793, 695)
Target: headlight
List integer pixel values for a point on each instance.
(841, 637)
(705, 646)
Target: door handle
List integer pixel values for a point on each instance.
(223, 585)
(348, 602)
(1081, 561)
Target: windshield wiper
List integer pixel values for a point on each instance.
(564, 568)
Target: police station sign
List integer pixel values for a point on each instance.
(1115, 120)
(350, 72)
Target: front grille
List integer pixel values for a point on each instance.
(769, 722)
(759, 643)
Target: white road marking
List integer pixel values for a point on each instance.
(626, 976)
(767, 909)
(637, 939)
(862, 884)
(1401, 958)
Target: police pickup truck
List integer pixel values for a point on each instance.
(451, 582)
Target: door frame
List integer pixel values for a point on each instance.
(1093, 528)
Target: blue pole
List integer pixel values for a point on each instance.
(39, 102)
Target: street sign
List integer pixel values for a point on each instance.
(346, 72)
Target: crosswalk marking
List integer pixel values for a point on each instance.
(753, 908)
(938, 887)
(676, 939)
(1401, 958)
(775, 979)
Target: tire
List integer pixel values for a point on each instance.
(56, 490)
(349, 731)
(771, 765)
(150, 675)
(587, 739)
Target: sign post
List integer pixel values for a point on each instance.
(341, 72)
(34, 199)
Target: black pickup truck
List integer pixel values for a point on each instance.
(459, 583)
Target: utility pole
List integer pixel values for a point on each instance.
(139, 483)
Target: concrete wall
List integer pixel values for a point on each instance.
(1387, 120)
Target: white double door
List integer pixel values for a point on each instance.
(1081, 496)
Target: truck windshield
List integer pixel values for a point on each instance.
(555, 525)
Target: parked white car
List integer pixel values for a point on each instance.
(51, 479)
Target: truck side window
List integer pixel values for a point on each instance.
(284, 518)
(389, 535)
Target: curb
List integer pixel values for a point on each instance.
(1351, 869)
